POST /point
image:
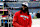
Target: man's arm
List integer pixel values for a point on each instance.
(15, 23)
(30, 21)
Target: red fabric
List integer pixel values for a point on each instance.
(34, 0)
(20, 21)
(4, 16)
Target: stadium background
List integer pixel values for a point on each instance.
(19, 0)
(8, 9)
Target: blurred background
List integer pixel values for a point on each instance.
(9, 7)
(19, 0)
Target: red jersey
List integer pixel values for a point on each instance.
(21, 20)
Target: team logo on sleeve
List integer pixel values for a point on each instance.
(24, 18)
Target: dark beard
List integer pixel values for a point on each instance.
(26, 9)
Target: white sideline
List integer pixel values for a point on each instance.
(35, 22)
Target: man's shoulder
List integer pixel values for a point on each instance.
(29, 15)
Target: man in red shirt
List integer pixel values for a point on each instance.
(22, 18)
